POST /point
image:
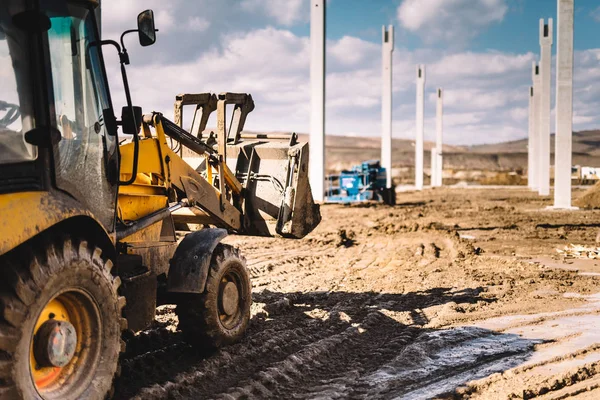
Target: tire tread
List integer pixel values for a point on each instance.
(23, 281)
(196, 319)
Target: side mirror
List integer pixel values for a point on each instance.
(130, 123)
(146, 30)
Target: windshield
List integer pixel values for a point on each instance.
(16, 106)
(79, 97)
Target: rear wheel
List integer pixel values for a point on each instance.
(60, 324)
(221, 314)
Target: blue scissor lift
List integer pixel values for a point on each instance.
(364, 182)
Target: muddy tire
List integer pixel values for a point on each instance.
(59, 293)
(221, 314)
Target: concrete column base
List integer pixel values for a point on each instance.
(559, 208)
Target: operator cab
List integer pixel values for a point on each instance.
(58, 131)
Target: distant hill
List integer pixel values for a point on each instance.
(584, 142)
(345, 151)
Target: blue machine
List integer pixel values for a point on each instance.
(365, 182)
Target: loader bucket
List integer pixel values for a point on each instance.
(275, 198)
(277, 195)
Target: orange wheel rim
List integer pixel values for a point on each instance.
(43, 377)
(77, 311)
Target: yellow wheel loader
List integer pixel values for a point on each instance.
(94, 210)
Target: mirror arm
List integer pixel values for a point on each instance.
(111, 42)
(124, 54)
(125, 33)
(124, 59)
(135, 123)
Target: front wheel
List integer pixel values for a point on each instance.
(60, 324)
(221, 314)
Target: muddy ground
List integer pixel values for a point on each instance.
(452, 294)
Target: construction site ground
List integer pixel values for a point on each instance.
(450, 294)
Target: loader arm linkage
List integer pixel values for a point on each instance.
(249, 184)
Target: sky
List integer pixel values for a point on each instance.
(479, 51)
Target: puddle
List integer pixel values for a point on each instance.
(505, 322)
(586, 267)
(590, 273)
(439, 361)
(565, 332)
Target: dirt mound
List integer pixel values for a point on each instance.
(590, 199)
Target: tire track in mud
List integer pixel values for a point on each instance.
(184, 371)
(316, 358)
(349, 350)
(328, 367)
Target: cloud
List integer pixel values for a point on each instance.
(481, 104)
(452, 21)
(190, 28)
(595, 14)
(117, 16)
(245, 50)
(243, 63)
(491, 63)
(352, 51)
(197, 24)
(287, 13)
(520, 113)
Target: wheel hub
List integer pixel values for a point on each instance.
(55, 343)
(230, 298)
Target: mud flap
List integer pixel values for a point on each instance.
(190, 263)
(277, 195)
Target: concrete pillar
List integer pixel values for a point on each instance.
(535, 134)
(317, 99)
(530, 144)
(564, 105)
(434, 169)
(439, 137)
(420, 127)
(386, 102)
(544, 104)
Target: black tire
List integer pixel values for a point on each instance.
(201, 317)
(77, 278)
(389, 196)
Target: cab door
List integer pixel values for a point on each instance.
(86, 156)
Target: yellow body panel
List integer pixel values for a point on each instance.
(149, 192)
(141, 188)
(135, 206)
(149, 159)
(145, 236)
(26, 214)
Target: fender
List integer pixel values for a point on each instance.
(190, 263)
(25, 214)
